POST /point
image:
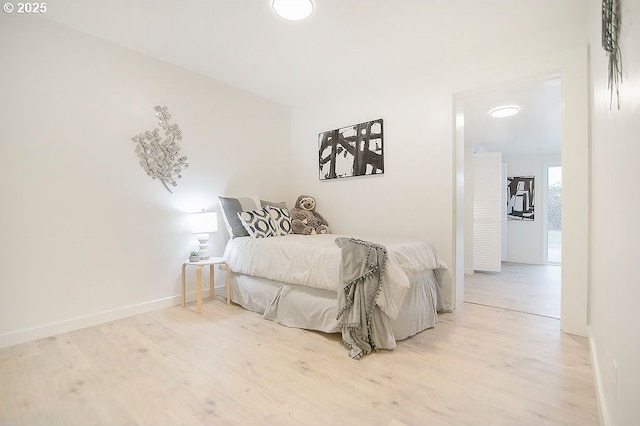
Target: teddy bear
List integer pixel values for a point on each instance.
(305, 220)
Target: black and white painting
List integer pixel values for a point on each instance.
(351, 151)
(520, 197)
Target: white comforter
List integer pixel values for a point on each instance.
(315, 261)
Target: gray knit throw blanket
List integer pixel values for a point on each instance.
(361, 269)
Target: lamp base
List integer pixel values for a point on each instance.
(203, 245)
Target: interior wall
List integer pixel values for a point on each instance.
(526, 239)
(87, 236)
(615, 151)
(414, 197)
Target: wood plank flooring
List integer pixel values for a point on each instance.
(478, 366)
(533, 289)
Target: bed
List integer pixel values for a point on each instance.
(294, 280)
(374, 291)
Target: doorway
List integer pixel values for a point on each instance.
(571, 66)
(524, 144)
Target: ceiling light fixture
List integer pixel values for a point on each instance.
(504, 111)
(292, 10)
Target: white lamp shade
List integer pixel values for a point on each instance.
(293, 10)
(204, 223)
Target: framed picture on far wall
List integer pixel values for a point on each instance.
(520, 198)
(355, 150)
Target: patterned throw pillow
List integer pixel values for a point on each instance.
(257, 223)
(280, 220)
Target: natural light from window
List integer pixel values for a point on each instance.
(554, 214)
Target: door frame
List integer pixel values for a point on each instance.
(571, 66)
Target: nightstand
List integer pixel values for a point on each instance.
(205, 262)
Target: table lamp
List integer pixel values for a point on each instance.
(203, 224)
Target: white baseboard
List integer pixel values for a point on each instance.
(48, 330)
(603, 412)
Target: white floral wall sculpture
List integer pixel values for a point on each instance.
(159, 155)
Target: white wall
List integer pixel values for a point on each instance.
(615, 286)
(525, 239)
(415, 195)
(87, 236)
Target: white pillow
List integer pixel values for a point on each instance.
(257, 223)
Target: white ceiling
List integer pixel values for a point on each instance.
(344, 44)
(535, 129)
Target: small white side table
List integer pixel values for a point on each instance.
(205, 262)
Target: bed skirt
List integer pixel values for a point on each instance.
(316, 309)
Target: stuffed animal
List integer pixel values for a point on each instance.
(305, 220)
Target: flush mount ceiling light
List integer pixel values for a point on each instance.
(504, 111)
(292, 10)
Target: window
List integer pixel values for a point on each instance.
(554, 214)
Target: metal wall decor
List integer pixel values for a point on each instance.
(351, 151)
(610, 33)
(159, 155)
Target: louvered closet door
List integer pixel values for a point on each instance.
(487, 211)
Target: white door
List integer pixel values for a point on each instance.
(503, 213)
(488, 188)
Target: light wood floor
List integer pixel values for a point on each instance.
(526, 288)
(478, 366)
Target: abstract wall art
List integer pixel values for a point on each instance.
(355, 150)
(520, 197)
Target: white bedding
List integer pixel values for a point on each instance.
(314, 261)
(316, 309)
